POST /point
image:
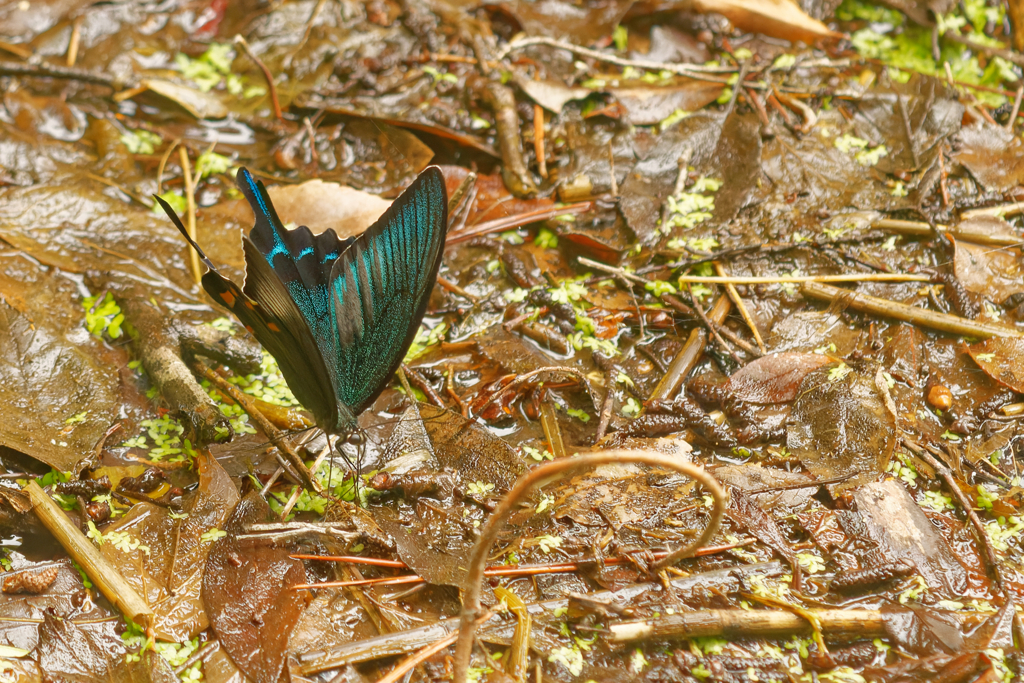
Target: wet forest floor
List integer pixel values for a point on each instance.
(743, 311)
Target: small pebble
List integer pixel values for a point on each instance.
(940, 397)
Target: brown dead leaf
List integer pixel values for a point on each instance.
(776, 18)
(93, 652)
(774, 378)
(248, 595)
(840, 426)
(202, 105)
(993, 273)
(649, 105)
(993, 155)
(321, 205)
(1002, 359)
(167, 565)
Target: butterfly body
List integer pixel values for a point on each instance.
(338, 314)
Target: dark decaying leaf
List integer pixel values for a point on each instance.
(840, 426)
(774, 378)
(750, 477)
(166, 567)
(925, 632)
(737, 162)
(993, 155)
(93, 652)
(470, 449)
(654, 174)
(248, 595)
(649, 105)
(994, 273)
(812, 174)
(76, 228)
(1002, 359)
(430, 548)
(19, 613)
(744, 510)
(56, 398)
(923, 107)
(584, 21)
(894, 528)
(432, 440)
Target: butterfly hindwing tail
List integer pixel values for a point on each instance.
(268, 312)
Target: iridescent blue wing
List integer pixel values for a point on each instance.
(380, 287)
(267, 309)
(302, 262)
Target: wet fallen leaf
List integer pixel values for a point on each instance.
(248, 595)
(992, 272)
(93, 652)
(993, 155)
(1002, 359)
(774, 378)
(201, 105)
(321, 205)
(585, 22)
(169, 555)
(56, 398)
(777, 18)
(840, 426)
(900, 530)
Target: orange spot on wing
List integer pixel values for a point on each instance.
(251, 331)
(248, 304)
(228, 298)
(273, 327)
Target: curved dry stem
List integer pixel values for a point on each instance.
(489, 534)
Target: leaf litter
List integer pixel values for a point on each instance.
(629, 160)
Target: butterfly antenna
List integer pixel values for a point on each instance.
(181, 228)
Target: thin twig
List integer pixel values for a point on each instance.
(163, 164)
(538, 141)
(692, 70)
(517, 571)
(190, 196)
(272, 432)
(952, 324)
(241, 42)
(309, 29)
(76, 35)
(964, 231)
(97, 567)
(744, 313)
(780, 279)
(54, 71)
(202, 654)
(410, 663)
(1009, 55)
(298, 492)
(515, 221)
(420, 382)
(713, 329)
(606, 407)
(1016, 109)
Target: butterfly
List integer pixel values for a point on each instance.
(338, 315)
